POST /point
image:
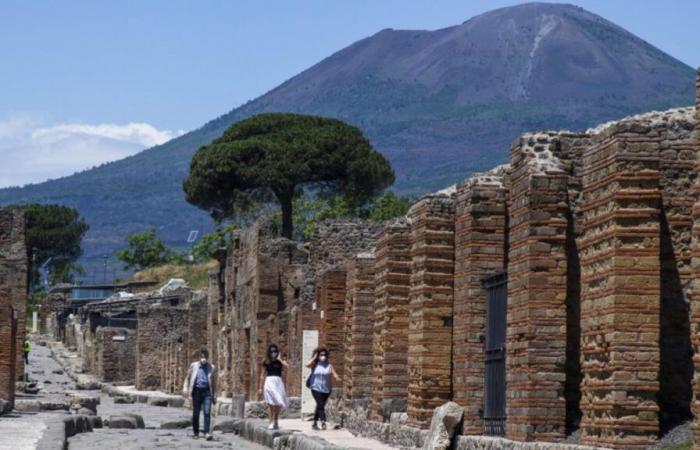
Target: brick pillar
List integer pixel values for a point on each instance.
(537, 289)
(695, 284)
(330, 295)
(620, 298)
(480, 228)
(359, 328)
(8, 337)
(431, 297)
(392, 283)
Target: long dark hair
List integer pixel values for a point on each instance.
(318, 352)
(268, 357)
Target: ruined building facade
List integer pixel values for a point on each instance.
(545, 296)
(13, 300)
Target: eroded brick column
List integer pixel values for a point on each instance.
(359, 328)
(537, 290)
(330, 296)
(392, 283)
(480, 238)
(13, 300)
(695, 283)
(431, 297)
(620, 298)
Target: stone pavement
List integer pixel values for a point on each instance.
(44, 430)
(340, 437)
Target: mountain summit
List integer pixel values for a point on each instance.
(439, 104)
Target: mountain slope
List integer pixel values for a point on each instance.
(439, 104)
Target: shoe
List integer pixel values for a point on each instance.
(271, 426)
(323, 426)
(277, 426)
(196, 436)
(314, 426)
(209, 437)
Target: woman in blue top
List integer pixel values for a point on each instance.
(321, 372)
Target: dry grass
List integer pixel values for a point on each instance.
(196, 275)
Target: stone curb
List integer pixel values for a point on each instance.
(60, 428)
(256, 431)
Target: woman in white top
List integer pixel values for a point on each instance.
(320, 385)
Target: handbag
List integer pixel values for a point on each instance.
(308, 380)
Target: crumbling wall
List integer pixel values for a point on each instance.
(391, 309)
(480, 251)
(13, 299)
(431, 297)
(115, 361)
(359, 328)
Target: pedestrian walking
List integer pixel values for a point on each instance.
(27, 349)
(320, 383)
(271, 385)
(200, 383)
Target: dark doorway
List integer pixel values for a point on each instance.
(495, 355)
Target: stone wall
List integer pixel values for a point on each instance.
(13, 299)
(694, 286)
(359, 328)
(480, 245)
(330, 295)
(391, 308)
(115, 355)
(430, 299)
(160, 341)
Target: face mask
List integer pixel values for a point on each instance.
(322, 358)
(273, 355)
(203, 361)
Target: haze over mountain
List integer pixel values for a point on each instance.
(439, 104)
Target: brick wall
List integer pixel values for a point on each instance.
(695, 273)
(161, 345)
(330, 295)
(13, 285)
(359, 328)
(620, 299)
(115, 361)
(480, 245)
(431, 297)
(392, 284)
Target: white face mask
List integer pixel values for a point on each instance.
(203, 361)
(322, 358)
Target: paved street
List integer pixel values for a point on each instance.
(28, 431)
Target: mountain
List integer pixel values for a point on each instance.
(439, 104)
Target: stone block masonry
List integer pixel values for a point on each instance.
(537, 288)
(13, 300)
(390, 344)
(620, 298)
(695, 272)
(115, 354)
(359, 328)
(480, 244)
(431, 297)
(330, 295)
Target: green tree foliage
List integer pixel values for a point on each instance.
(212, 243)
(272, 155)
(54, 235)
(309, 210)
(145, 250)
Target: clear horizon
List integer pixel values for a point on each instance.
(86, 83)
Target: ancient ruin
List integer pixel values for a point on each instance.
(546, 296)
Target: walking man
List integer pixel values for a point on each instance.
(201, 384)
(27, 349)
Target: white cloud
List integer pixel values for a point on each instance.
(32, 152)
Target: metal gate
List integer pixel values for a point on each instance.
(495, 355)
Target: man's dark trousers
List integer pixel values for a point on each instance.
(201, 399)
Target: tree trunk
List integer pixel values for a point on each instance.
(287, 224)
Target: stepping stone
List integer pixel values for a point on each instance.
(176, 424)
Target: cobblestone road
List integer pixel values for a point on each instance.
(28, 431)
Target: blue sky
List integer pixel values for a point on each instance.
(128, 74)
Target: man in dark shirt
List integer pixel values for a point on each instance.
(201, 382)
